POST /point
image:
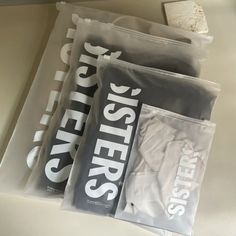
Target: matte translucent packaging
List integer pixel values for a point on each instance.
(160, 30)
(165, 170)
(93, 38)
(99, 168)
(24, 146)
(41, 102)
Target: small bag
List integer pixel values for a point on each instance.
(100, 164)
(165, 170)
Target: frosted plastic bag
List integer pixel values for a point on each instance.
(165, 170)
(165, 31)
(141, 25)
(23, 150)
(40, 104)
(158, 52)
(160, 30)
(99, 167)
(91, 39)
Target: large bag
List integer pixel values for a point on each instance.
(94, 38)
(100, 164)
(26, 140)
(25, 143)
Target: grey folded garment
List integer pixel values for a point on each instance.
(165, 170)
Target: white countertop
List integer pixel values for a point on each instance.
(23, 34)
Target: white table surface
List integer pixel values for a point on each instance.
(23, 34)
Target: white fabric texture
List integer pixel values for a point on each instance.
(165, 170)
(159, 151)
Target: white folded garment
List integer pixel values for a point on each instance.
(165, 170)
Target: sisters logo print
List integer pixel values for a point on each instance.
(67, 137)
(104, 154)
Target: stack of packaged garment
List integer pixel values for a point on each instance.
(117, 122)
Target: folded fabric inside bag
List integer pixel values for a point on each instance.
(132, 161)
(165, 170)
(91, 39)
(100, 164)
